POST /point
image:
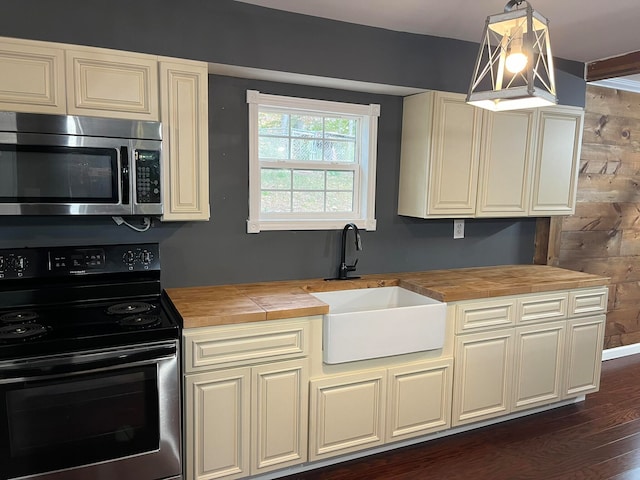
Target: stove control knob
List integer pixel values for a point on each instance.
(146, 257)
(129, 257)
(2, 264)
(17, 263)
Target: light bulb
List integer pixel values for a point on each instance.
(516, 62)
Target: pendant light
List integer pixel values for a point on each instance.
(514, 68)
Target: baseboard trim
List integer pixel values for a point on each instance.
(618, 352)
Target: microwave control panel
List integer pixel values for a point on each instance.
(147, 176)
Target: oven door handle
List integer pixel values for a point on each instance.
(43, 368)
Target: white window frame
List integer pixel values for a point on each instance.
(365, 179)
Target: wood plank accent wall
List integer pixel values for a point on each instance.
(603, 237)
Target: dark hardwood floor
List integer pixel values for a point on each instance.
(595, 439)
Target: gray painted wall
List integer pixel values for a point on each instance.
(220, 251)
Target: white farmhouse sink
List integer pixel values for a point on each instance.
(379, 322)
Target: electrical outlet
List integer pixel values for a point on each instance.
(458, 228)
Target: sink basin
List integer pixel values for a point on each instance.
(379, 322)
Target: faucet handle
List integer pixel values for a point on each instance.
(351, 268)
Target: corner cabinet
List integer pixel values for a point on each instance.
(461, 161)
(184, 115)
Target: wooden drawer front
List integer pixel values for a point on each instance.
(482, 315)
(240, 346)
(542, 308)
(588, 302)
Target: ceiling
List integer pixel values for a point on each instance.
(584, 30)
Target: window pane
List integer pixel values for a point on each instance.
(306, 149)
(275, 202)
(273, 148)
(341, 128)
(308, 201)
(306, 126)
(275, 179)
(270, 123)
(339, 151)
(339, 201)
(308, 180)
(339, 180)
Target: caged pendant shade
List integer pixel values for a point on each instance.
(514, 68)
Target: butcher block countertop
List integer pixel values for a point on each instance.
(242, 303)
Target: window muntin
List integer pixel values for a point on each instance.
(312, 163)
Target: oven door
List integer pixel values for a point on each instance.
(111, 414)
(43, 174)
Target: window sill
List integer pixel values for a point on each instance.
(333, 224)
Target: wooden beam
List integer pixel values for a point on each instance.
(627, 64)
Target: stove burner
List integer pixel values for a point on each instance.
(130, 308)
(25, 316)
(140, 321)
(22, 331)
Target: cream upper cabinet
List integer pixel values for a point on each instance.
(32, 77)
(112, 84)
(462, 161)
(184, 115)
(505, 163)
(555, 172)
(439, 156)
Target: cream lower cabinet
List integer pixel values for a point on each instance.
(246, 421)
(361, 410)
(552, 352)
(483, 371)
(184, 114)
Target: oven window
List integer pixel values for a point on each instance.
(79, 421)
(58, 174)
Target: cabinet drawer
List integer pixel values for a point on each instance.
(542, 308)
(214, 347)
(485, 314)
(588, 302)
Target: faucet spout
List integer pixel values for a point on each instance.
(344, 269)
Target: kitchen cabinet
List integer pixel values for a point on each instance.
(346, 413)
(33, 77)
(460, 161)
(518, 352)
(184, 115)
(555, 173)
(363, 409)
(106, 83)
(246, 398)
(439, 156)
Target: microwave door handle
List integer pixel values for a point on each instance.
(124, 177)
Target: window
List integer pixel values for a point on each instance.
(312, 163)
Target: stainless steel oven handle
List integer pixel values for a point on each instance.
(84, 362)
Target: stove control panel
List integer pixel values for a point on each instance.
(40, 262)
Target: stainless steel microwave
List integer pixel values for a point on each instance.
(71, 165)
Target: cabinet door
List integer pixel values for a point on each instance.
(419, 399)
(280, 398)
(346, 413)
(555, 172)
(118, 85)
(184, 112)
(453, 178)
(217, 409)
(505, 163)
(482, 377)
(32, 78)
(539, 365)
(439, 156)
(584, 355)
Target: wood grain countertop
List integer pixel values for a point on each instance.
(243, 303)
